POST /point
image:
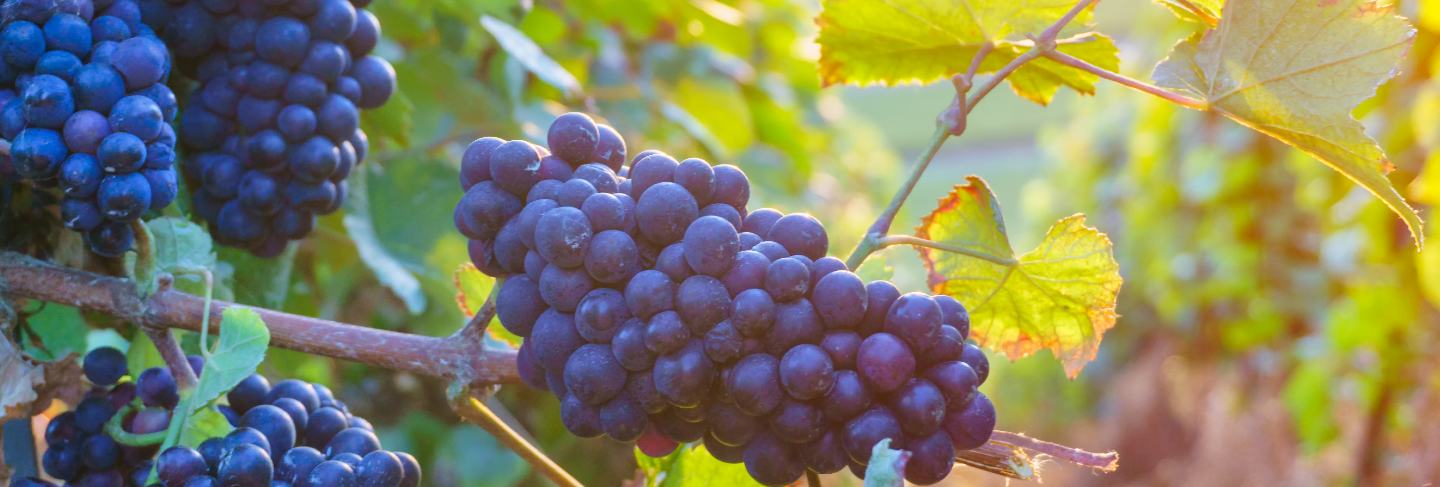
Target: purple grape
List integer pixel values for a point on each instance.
(884, 362)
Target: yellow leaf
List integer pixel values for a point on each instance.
(1294, 70)
(1058, 297)
(920, 41)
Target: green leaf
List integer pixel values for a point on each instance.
(886, 467)
(1060, 296)
(243, 341)
(61, 329)
(690, 466)
(523, 49)
(696, 467)
(386, 267)
(1203, 11)
(181, 247)
(921, 41)
(142, 355)
(206, 423)
(256, 281)
(1295, 71)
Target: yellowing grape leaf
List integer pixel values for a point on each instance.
(1040, 79)
(27, 386)
(920, 41)
(1294, 70)
(1058, 297)
(1202, 11)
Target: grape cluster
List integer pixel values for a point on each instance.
(84, 106)
(658, 309)
(291, 434)
(272, 126)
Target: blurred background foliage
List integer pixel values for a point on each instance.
(1277, 325)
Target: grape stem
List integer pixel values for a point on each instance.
(174, 357)
(116, 429)
(892, 240)
(460, 360)
(474, 410)
(952, 121)
(1127, 81)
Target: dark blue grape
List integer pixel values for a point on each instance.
(141, 60)
(972, 426)
(665, 211)
(68, 33)
(138, 115)
(297, 463)
(63, 462)
(475, 164)
(97, 87)
(650, 170)
(613, 257)
(59, 64)
(84, 130)
(563, 288)
(801, 234)
(276, 40)
(99, 452)
(754, 384)
(37, 153)
(975, 358)
(250, 392)
(353, 440)
(787, 279)
(609, 148)
(121, 153)
(753, 312)
(246, 465)
(884, 362)
(178, 464)
(105, 366)
(377, 81)
(298, 390)
(91, 415)
(296, 123)
(579, 419)
(275, 424)
(379, 468)
(593, 376)
(772, 462)
(21, 43)
(110, 239)
(573, 137)
(156, 388)
(323, 425)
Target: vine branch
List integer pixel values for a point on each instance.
(443, 357)
(454, 358)
(1127, 81)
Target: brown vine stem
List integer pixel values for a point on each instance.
(445, 357)
(1104, 462)
(453, 358)
(174, 357)
(1127, 81)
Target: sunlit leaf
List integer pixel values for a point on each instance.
(1203, 11)
(695, 467)
(1039, 80)
(920, 41)
(1295, 71)
(1058, 297)
(524, 50)
(206, 423)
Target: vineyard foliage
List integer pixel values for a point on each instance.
(1265, 219)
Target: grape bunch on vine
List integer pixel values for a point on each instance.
(672, 235)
